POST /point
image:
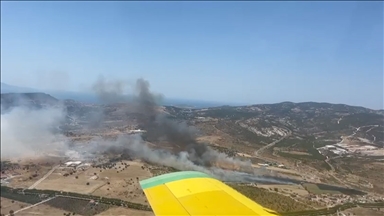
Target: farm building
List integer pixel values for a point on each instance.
(73, 163)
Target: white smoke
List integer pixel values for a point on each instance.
(27, 132)
(181, 161)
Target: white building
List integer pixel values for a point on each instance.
(137, 131)
(72, 163)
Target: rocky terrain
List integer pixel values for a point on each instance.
(272, 121)
(313, 138)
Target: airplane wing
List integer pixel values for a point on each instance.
(196, 193)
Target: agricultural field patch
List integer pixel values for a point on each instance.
(78, 206)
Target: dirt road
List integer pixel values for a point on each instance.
(31, 206)
(44, 177)
(271, 144)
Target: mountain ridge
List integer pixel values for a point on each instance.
(92, 98)
(181, 103)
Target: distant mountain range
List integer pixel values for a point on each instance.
(5, 88)
(91, 98)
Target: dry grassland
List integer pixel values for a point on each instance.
(7, 205)
(120, 211)
(125, 184)
(42, 210)
(23, 180)
(56, 181)
(117, 176)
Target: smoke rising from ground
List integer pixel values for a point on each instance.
(137, 148)
(110, 91)
(181, 136)
(190, 155)
(147, 101)
(26, 131)
(118, 91)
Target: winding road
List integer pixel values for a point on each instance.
(343, 138)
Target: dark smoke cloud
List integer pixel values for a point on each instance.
(111, 91)
(147, 104)
(188, 155)
(184, 137)
(178, 134)
(147, 101)
(136, 95)
(108, 92)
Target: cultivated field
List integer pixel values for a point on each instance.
(78, 206)
(290, 189)
(314, 189)
(364, 211)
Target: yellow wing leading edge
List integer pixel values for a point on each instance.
(196, 193)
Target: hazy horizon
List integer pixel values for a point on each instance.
(89, 97)
(227, 52)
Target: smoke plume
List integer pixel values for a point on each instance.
(28, 132)
(111, 91)
(138, 149)
(179, 134)
(187, 153)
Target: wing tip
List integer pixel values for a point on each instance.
(169, 177)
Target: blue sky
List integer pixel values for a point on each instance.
(243, 52)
